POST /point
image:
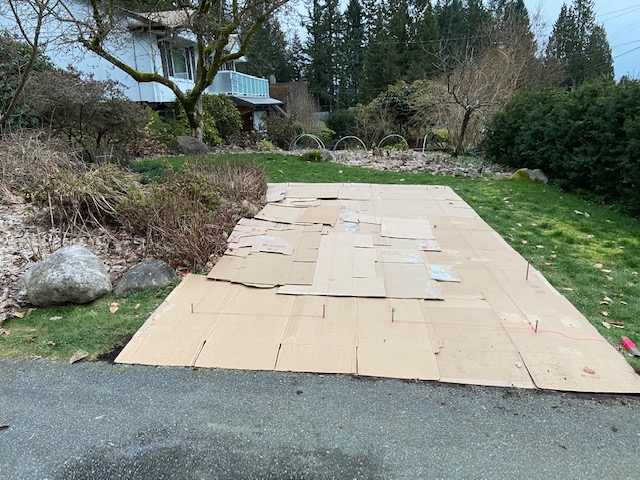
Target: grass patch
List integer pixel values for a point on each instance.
(58, 332)
(539, 221)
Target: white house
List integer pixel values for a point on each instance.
(157, 42)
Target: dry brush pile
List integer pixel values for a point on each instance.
(183, 219)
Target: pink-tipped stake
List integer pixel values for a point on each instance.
(630, 346)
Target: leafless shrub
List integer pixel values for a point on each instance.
(28, 159)
(238, 181)
(185, 219)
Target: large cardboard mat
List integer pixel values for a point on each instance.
(379, 280)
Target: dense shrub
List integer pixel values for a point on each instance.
(342, 122)
(399, 110)
(92, 115)
(282, 131)
(225, 115)
(14, 56)
(583, 139)
(220, 116)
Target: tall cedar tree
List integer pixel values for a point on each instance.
(380, 68)
(425, 45)
(352, 59)
(580, 44)
(268, 53)
(322, 50)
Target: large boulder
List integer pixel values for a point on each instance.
(69, 275)
(189, 145)
(147, 274)
(535, 175)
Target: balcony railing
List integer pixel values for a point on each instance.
(239, 85)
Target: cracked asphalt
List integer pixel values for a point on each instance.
(104, 421)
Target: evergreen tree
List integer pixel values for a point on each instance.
(380, 67)
(295, 54)
(352, 58)
(580, 44)
(268, 53)
(450, 16)
(322, 71)
(425, 44)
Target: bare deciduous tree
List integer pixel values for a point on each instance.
(481, 80)
(29, 17)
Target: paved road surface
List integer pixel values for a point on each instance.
(103, 421)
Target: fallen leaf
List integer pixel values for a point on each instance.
(606, 271)
(623, 302)
(606, 325)
(604, 314)
(51, 343)
(568, 289)
(524, 242)
(79, 355)
(608, 300)
(588, 370)
(586, 215)
(590, 236)
(604, 303)
(608, 277)
(4, 425)
(113, 308)
(554, 256)
(518, 364)
(548, 264)
(519, 224)
(597, 265)
(137, 306)
(578, 212)
(18, 314)
(617, 324)
(539, 246)
(55, 318)
(621, 247)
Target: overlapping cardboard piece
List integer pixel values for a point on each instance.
(499, 323)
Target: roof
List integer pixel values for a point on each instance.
(255, 101)
(175, 19)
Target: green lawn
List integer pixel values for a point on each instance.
(539, 221)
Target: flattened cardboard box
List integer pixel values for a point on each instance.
(482, 332)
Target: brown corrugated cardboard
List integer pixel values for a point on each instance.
(362, 302)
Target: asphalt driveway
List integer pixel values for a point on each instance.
(104, 421)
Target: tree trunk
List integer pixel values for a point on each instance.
(463, 130)
(194, 116)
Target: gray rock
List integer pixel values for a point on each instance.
(327, 156)
(250, 209)
(69, 275)
(189, 145)
(535, 175)
(148, 274)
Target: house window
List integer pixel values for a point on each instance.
(177, 62)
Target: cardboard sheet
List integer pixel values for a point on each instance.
(392, 281)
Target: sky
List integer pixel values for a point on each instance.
(621, 20)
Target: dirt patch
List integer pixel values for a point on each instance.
(435, 163)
